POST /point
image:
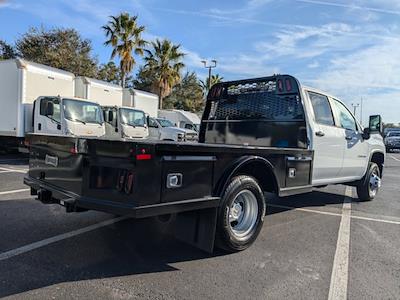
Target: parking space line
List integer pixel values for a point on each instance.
(14, 170)
(376, 220)
(57, 238)
(305, 210)
(315, 211)
(395, 158)
(340, 269)
(13, 192)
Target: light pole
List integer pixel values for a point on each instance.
(209, 67)
(355, 105)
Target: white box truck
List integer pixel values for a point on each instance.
(32, 97)
(148, 102)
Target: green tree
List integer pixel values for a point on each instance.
(145, 80)
(214, 80)
(109, 72)
(124, 35)
(59, 48)
(6, 51)
(186, 95)
(164, 59)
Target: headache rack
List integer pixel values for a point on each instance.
(260, 112)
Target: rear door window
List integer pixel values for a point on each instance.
(322, 109)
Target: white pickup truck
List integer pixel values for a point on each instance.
(257, 135)
(164, 130)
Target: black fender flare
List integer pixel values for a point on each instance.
(229, 172)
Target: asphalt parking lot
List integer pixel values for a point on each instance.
(311, 247)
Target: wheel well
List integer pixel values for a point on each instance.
(262, 173)
(379, 159)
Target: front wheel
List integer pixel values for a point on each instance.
(241, 214)
(370, 184)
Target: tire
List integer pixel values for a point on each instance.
(370, 184)
(241, 214)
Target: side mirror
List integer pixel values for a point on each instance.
(110, 116)
(375, 124)
(49, 109)
(366, 134)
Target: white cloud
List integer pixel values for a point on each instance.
(371, 73)
(391, 7)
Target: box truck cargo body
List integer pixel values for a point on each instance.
(148, 102)
(21, 83)
(102, 92)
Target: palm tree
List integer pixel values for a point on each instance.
(214, 79)
(124, 35)
(164, 59)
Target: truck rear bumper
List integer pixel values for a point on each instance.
(74, 202)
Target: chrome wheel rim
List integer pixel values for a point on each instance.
(374, 183)
(243, 212)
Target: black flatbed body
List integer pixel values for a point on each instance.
(254, 129)
(88, 173)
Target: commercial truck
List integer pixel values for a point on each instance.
(123, 108)
(29, 92)
(268, 134)
(125, 122)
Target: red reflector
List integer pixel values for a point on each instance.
(280, 86)
(288, 85)
(143, 156)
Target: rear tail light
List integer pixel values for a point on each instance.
(129, 183)
(288, 85)
(121, 180)
(280, 86)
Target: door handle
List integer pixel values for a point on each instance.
(320, 133)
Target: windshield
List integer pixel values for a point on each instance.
(82, 111)
(392, 134)
(132, 117)
(165, 123)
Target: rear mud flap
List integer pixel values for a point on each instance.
(197, 228)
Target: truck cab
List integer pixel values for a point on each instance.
(125, 122)
(342, 147)
(67, 116)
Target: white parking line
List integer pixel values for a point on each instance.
(14, 170)
(57, 238)
(315, 211)
(13, 192)
(340, 270)
(395, 158)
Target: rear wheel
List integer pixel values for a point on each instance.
(371, 183)
(241, 214)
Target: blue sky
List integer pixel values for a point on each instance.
(348, 48)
